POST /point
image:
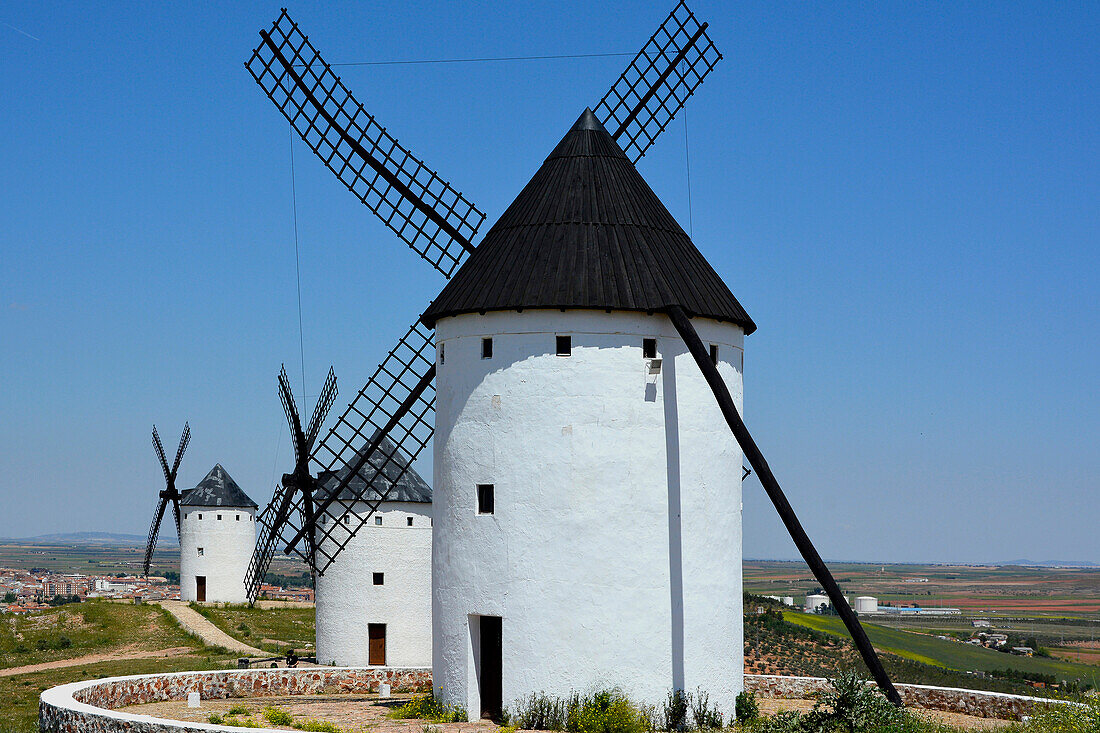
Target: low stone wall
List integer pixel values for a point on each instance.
(978, 703)
(91, 706)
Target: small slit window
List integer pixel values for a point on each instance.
(409, 521)
(219, 517)
(442, 353)
(379, 578)
(485, 499)
(714, 354)
(200, 551)
(200, 516)
(238, 517)
(378, 521)
(347, 519)
(487, 348)
(649, 348)
(564, 345)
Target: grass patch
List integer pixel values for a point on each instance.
(287, 628)
(19, 693)
(277, 716)
(317, 725)
(92, 627)
(427, 707)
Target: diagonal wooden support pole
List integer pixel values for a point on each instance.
(756, 459)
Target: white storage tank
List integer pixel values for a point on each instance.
(815, 601)
(374, 602)
(217, 538)
(587, 491)
(866, 604)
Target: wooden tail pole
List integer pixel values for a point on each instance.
(756, 459)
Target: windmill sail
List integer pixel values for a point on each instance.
(425, 211)
(291, 506)
(369, 451)
(169, 494)
(657, 82)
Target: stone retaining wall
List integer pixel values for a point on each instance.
(91, 706)
(979, 703)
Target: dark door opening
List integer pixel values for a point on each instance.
(200, 587)
(376, 649)
(491, 668)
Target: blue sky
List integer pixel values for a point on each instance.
(904, 197)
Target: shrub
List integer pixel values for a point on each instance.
(851, 705)
(215, 719)
(238, 710)
(275, 716)
(317, 725)
(427, 707)
(705, 716)
(603, 711)
(675, 710)
(746, 709)
(1066, 718)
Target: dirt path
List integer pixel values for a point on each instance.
(119, 656)
(195, 623)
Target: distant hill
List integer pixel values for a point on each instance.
(1052, 563)
(167, 539)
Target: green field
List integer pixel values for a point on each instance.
(953, 655)
(93, 627)
(19, 693)
(272, 629)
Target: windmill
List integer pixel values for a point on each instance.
(297, 488)
(168, 494)
(391, 419)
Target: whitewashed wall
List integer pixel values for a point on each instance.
(227, 547)
(614, 554)
(347, 599)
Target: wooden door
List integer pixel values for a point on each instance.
(491, 667)
(376, 649)
(200, 587)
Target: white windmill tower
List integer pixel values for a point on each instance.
(587, 493)
(217, 538)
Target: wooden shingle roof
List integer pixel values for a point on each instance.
(587, 232)
(217, 489)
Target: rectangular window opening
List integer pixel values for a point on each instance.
(442, 353)
(200, 516)
(219, 517)
(238, 517)
(409, 521)
(200, 552)
(714, 354)
(487, 348)
(564, 345)
(485, 499)
(379, 578)
(378, 521)
(649, 348)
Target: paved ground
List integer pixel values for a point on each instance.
(116, 656)
(195, 623)
(351, 712)
(359, 712)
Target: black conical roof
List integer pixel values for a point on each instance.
(217, 489)
(587, 232)
(409, 487)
